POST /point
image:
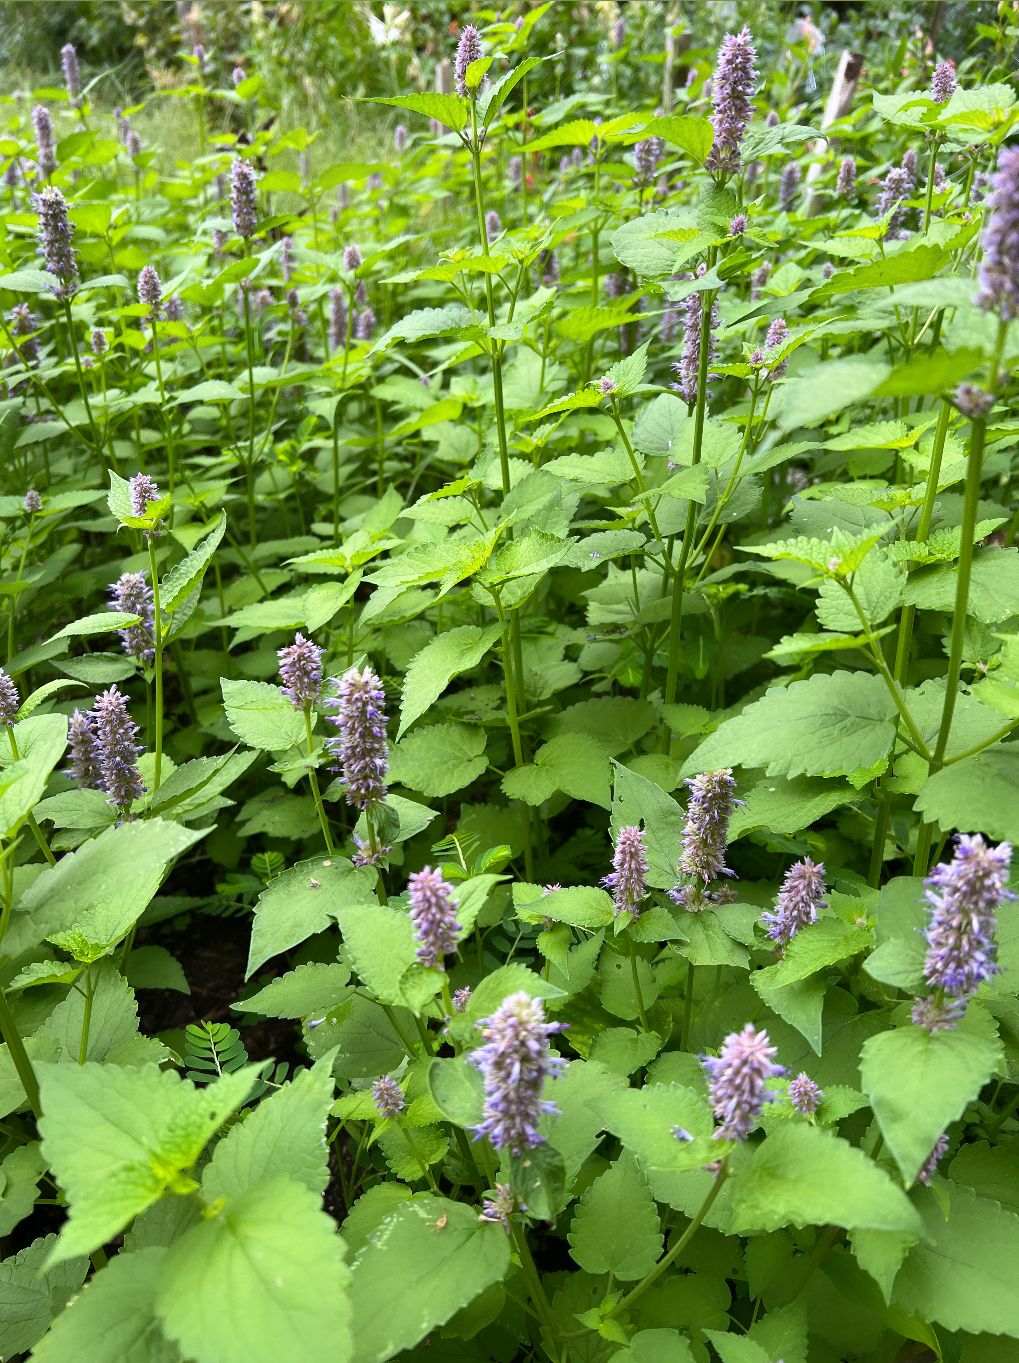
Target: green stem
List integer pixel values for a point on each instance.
(86, 1021)
(171, 457)
(36, 831)
(157, 643)
(17, 583)
(313, 782)
(687, 1007)
(534, 1288)
(638, 476)
(638, 993)
(26, 1073)
(93, 430)
(892, 686)
(250, 350)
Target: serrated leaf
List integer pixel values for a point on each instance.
(261, 716)
(615, 1227)
(434, 667)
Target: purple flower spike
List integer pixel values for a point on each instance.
(972, 401)
(738, 1076)
(72, 75)
(514, 1062)
(239, 74)
(468, 50)
(132, 143)
(775, 339)
(54, 236)
(242, 197)
(706, 834)
(45, 152)
(789, 187)
(646, 155)
(301, 672)
(364, 327)
(360, 716)
(150, 290)
(461, 998)
(433, 913)
(999, 268)
(897, 185)
(143, 490)
(932, 1161)
(964, 897)
(400, 138)
(499, 1206)
(628, 878)
(388, 1096)
(493, 224)
(805, 1095)
(133, 595)
(798, 902)
(81, 744)
(351, 257)
(32, 502)
(738, 225)
(943, 82)
(10, 700)
(687, 371)
(845, 185)
(337, 319)
(116, 751)
(732, 88)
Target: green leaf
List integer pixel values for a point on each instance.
(41, 742)
(492, 98)
(310, 989)
(302, 901)
(615, 1227)
(457, 1090)
(285, 1135)
(118, 1138)
(181, 580)
(211, 390)
(383, 949)
(432, 669)
(440, 759)
(628, 374)
(113, 1320)
(261, 716)
(32, 1292)
(637, 800)
(965, 1274)
(976, 795)
(805, 401)
(802, 1175)
(20, 1173)
(843, 722)
(994, 586)
(441, 1257)
(919, 1082)
(688, 133)
(426, 323)
(288, 1281)
(573, 763)
(449, 110)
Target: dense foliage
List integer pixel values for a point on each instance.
(511, 659)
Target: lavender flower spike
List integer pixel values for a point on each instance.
(468, 50)
(143, 490)
(433, 913)
(72, 76)
(789, 187)
(301, 672)
(337, 319)
(732, 87)
(706, 834)
(133, 595)
(32, 502)
(999, 268)
(798, 902)
(388, 1096)
(10, 700)
(150, 290)
(360, 716)
(514, 1062)
(43, 126)
(932, 1161)
(242, 197)
(943, 82)
(115, 749)
(81, 746)
(738, 1076)
(687, 370)
(54, 236)
(805, 1095)
(845, 185)
(775, 339)
(351, 257)
(628, 878)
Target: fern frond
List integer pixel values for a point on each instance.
(212, 1049)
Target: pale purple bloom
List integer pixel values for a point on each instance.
(337, 319)
(845, 184)
(81, 746)
(827, 270)
(628, 877)
(54, 236)
(72, 76)
(515, 1061)
(400, 137)
(468, 50)
(301, 672)
(805, 1095)
(687, 370)
(758, 279)
(972, 401)
(366, 855)
(706, 831)
(515, 169)
(10, 700)
(287, 259)
(239, 74)
(360, 716)
(999, 266)
(433, 914)
(606, 385)
(351, 257)
(493, 224)
(738, 1077)
(461, 998)
(777, 335)
(938, 1013)
(361, 293)
(364, 327)
(789, 186)
(242, 197)
(738, 225)
(388, 1096)
(932, 1161)
(771, 119)
(115, 749)
(199, 56)
(143, 490)
(173, 309)
(909, 164)
(896, 186)
(497, 1209)
(44, 140)
(646, 155)
(150, 290)
(799, 900)
(32, 502)
(132, 143)
(133, 595)
(618, 32)
(733, 86)
(943, 82)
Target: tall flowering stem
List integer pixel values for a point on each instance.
(301, 674)
(628, 882)
(733, 85)
(358, 712)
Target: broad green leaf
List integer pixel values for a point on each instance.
(287, 1275)
(118, 1138)
(449, 110)
(636, 800)
(426, 324)
(302, 901)
(441, 1257)
(383, 949)
(261, 716)
(32, 1292)
(690, 134)
(113, 1320)
(20, 1173)
(843, 722)
(41, 742)
(440, 759)
(801, 1175)
(919, 1082)
(310, 989)
(457, 1090)
(615, 1227)
(994, 586)
(184, 577)
(573, 763)
(976, 795)
(443, 658)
